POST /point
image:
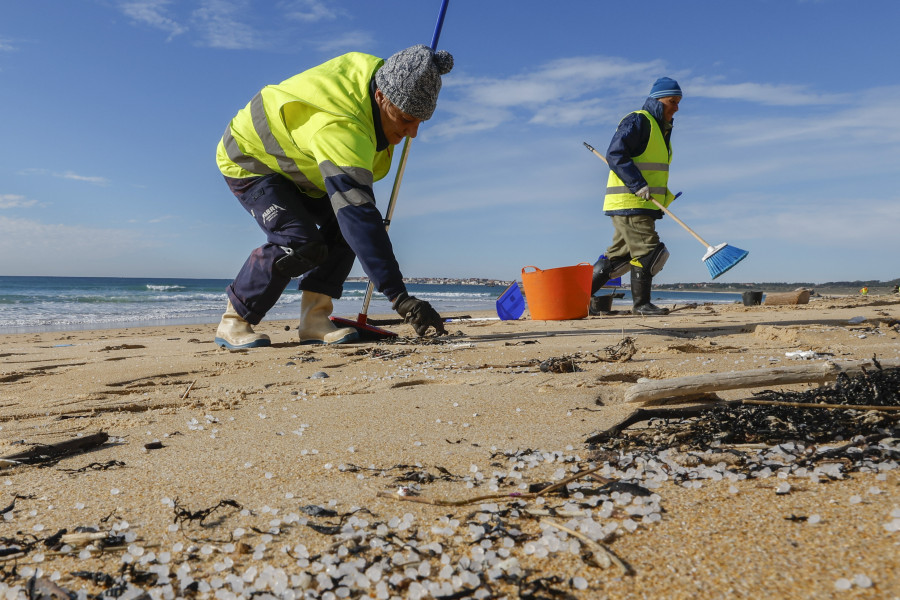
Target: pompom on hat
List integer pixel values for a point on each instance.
(411, 79)
(665, 87)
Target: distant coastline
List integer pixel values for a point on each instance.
(831, 288)
(828, 288)
(444, 281)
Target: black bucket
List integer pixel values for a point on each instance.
(601, 304)
(752, 298)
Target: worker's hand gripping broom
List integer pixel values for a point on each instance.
(366, 331)
(718, 259)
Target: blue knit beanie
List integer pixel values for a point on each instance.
(664, 87)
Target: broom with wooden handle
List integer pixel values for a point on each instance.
(718, 259)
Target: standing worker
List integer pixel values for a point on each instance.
(302, 157)
(639, 156)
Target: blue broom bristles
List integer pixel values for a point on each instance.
(721, 258)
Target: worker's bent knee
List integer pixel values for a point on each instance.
(654, 262)
(297, 261)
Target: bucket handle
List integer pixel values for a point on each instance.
(586, 264)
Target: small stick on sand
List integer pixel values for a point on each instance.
(603, 555)
(568, 480)
(814, 405)
(188, 390)
(463, 502)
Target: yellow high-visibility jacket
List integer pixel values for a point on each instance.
(322, 130)
(654, 166)
(320, 116)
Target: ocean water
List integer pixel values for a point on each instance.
(32, 304)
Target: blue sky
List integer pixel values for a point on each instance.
(787, 143)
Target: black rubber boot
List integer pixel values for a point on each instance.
(602, 274)
(641, 281)
(605, 269)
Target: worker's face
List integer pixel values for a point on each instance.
(670, 106)
(396, 123)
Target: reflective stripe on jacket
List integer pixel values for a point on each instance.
(654, 166)
(319, 118)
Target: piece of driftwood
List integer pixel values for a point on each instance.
(74, 446)
(676, 389)
(787, 298)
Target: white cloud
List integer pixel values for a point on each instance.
(15, 201)
(860, 122)
(457, 118)
(224, 24)
(347, 41)
(68, 175)
(309, 11)
(85, 178)
(584, 112)
(573, 91)
(565, 79)
(593, 89)
(28, 246)
(6, 45)
(229, 24)
(842, 226)
(760, 93)
(153, 14)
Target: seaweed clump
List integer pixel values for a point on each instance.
(784, 417)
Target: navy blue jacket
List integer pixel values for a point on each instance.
(630, 140)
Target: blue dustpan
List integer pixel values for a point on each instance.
(511, 303)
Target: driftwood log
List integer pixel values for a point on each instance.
(42, 453)
(787, 298)
(679, 388)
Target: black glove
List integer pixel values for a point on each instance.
(419, 314)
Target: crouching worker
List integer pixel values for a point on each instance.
(639, 156)
(301, 158)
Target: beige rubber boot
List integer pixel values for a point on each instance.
(316, 327)
(235, 333)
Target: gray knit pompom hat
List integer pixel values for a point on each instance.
(411, 79)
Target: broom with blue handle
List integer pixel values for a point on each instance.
(367, 331)
(718, 259)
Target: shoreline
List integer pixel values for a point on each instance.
(212, 321)
(345, 308)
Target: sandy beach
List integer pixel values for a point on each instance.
(415, 467)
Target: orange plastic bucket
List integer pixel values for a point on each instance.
(558, 294)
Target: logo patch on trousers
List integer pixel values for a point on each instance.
(271, 212)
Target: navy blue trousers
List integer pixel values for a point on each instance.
(289, 218)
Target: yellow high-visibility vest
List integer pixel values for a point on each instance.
(322, 115)
(654, 166)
